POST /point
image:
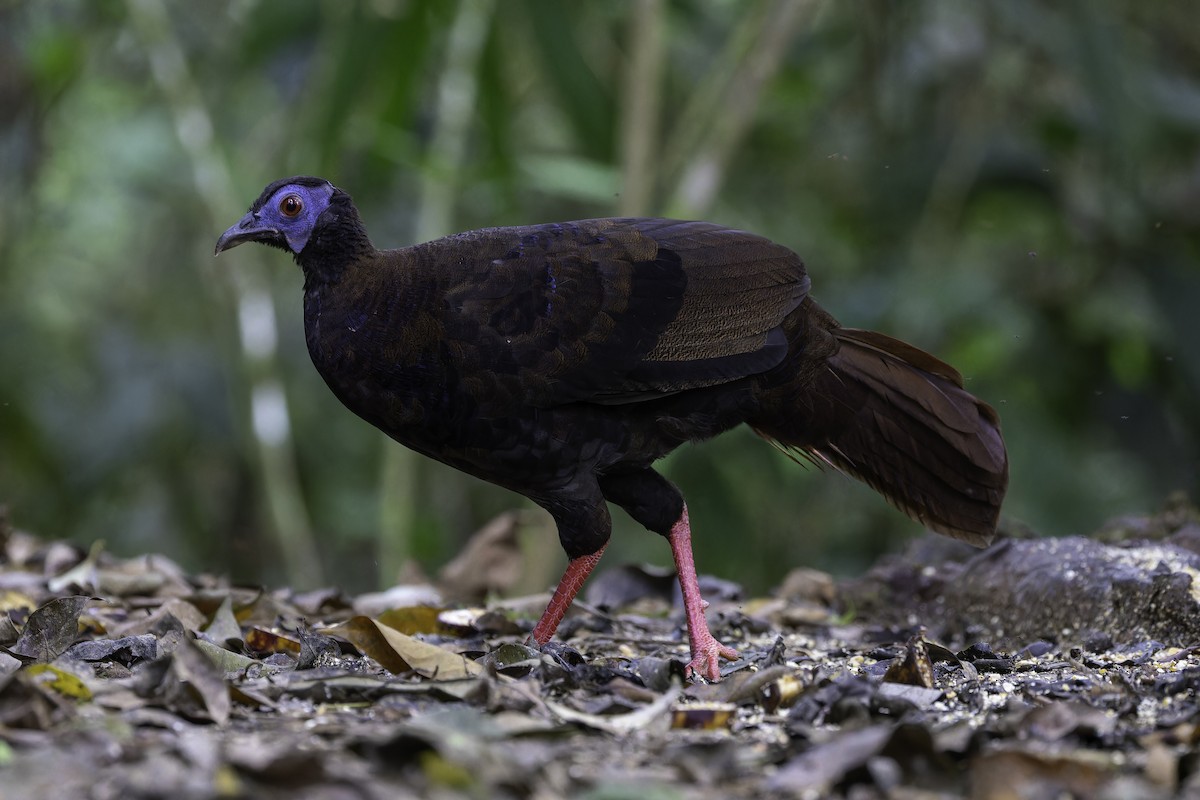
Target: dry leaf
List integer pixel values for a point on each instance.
(224, 625)
(59, 680)
(397, 652)
(412, 620)
(261, 640)
(51, 629)
(913, 667)
(490, 563)
(191, 664)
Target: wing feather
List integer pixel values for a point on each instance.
(621, 310)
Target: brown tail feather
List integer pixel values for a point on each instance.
(899, 419)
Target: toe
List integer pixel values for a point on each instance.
(706, 660)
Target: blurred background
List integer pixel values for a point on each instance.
(1013, 185)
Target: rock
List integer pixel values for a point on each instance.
(1057, 589)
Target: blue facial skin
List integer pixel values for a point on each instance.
(279, 221)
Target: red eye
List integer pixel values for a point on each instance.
(291, 205)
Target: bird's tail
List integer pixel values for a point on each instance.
(898, 418)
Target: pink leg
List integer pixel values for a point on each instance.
(577, 572)
(706, 650)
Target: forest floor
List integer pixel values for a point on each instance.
(1036, 668)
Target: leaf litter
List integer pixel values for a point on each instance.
(127, 678)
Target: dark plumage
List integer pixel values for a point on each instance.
(561, 361)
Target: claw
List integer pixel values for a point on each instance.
(706, 656)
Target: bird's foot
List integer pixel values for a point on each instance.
(577, 571)
(706, 655)
(707, 652)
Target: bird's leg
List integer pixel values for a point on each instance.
(706, 650)
(572, 581)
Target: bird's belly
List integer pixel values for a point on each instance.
(500, 439)
(495, 429)
(531, 450)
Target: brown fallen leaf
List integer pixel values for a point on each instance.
(397, 652)
(261, 640)
(50, 630)
(173, 613)
(191, 664)
(490, 563)
(913, 667)
(411, 620)
(225, 660)
(15, 601)
(224, 626)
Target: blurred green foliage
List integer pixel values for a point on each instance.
(1011, 184)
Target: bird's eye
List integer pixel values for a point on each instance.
(291, 205)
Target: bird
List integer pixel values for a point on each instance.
(562, 360)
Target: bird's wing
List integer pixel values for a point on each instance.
(619, 310)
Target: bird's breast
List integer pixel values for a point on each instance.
(382, 368)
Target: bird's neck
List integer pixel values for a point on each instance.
(336, 246)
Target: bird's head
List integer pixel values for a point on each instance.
(284, 215)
